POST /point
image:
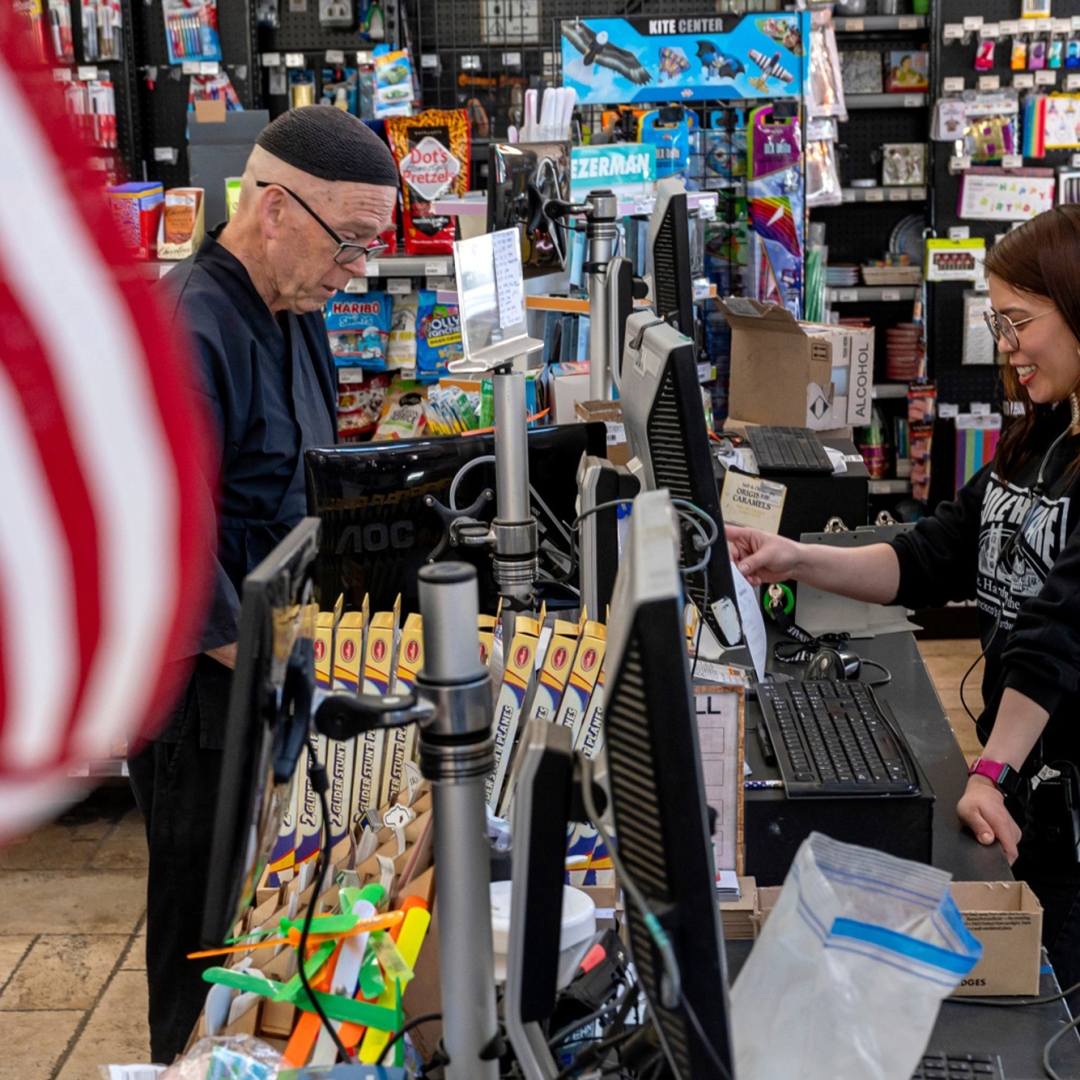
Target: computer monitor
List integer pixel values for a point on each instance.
(521, 177)
(269, 713)
(667, 256)
(377, 531)
(664, 417)
(658, 793)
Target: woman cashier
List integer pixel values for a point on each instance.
(1010, 542)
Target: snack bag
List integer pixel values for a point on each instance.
(401, 349)
(432, 152)
(438, 337)
(359, 329)
(361, 396)
(403, 415)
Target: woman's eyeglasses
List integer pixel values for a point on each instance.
(1001, 326)
(347, 252)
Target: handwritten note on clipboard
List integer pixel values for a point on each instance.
(720, 739)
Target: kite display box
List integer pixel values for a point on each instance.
(685, 58)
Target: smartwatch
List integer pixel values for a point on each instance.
(1003, 776)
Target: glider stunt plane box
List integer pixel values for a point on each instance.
(683, 58)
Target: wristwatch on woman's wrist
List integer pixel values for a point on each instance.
(1002, 776)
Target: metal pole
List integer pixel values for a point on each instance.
(601, 232)
(456, 755)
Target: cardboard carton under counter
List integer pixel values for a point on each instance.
(793, 373)
(1005, 916)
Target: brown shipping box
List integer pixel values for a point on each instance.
(1005, 916)
(780, 374)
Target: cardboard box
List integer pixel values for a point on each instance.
(610, 412)
(737, 916)
(1005, 916)
(781, 369)
(852, 359)
(568, 384)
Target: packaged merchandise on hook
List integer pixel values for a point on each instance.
(191, 30)
(984, 125)
(826, 85)
(776, 205)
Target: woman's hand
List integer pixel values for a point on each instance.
(762, 557)
(982, 810)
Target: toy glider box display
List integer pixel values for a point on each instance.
(708, 57)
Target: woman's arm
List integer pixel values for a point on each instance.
(1019, 723)
(870, 573)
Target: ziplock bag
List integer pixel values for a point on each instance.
(850, 969)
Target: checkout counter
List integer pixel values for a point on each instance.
(1017, 1035)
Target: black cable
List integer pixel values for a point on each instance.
(560, 1036)
(578, 1060)
(988, 1003)
(706, 1041)
(882, 668)
(1052, 1042)
(405, 1028)
(319, 781)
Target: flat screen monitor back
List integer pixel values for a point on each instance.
(274, 672)
(377, 532)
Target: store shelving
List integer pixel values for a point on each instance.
(884, 194)
(885, 101)
(874, 294)
(874, 24)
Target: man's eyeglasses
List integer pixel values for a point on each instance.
(347, 252)
(1001, 326)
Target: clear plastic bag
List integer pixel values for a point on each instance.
(226, 1057)
(850, 969)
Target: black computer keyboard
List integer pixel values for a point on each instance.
(961, 1066)
(787, 450)
(832, 738)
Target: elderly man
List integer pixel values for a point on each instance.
(318, 189)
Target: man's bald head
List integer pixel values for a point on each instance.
(330, 144)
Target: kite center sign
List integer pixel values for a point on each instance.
(707, 58)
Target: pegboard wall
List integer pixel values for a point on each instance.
(958, 383)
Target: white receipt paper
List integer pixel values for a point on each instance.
(505, 246)
(753, 620)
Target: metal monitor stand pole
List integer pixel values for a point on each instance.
(601, 231)
(457, 756)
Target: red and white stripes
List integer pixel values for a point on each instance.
(104, 529)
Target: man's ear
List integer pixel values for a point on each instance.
(272, 211)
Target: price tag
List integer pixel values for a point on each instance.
(436, 267)
(898, 194)
(470, 62)
(440, 284)
(1012, 161)
(88, 74)
(875, 195)
(166, 153)
(890, 294)
(980, 408)
(848, 296)
(959, 164)
(1075, 24)
(914, 101)
(954, 84)
(551, 59)
(990, 31)
(1063, 26)
(399, 286)
(917, 193)
(706, 209)
(854, 26)
(849, 194)
(428, 60)
(1044, 26)
(294, 59)
(972, 22)
(1072, 82)
(61, 74)
(702, 290)
(989, 82)
(952, 32)
(511, 59)
(209, 67)
(643, 204)
(271, 59)
(335, 56)
(908, 22)
(356, 285)
(1023, 82)
(190, 67)
(959, 232)
(948, 411)
(1009, 27)
(1045, 78)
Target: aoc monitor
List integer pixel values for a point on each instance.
(658, 798)
(667, 256)
(378, 531)
(269, 715)
(664, 417)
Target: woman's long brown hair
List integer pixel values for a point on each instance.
(1041, 257)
